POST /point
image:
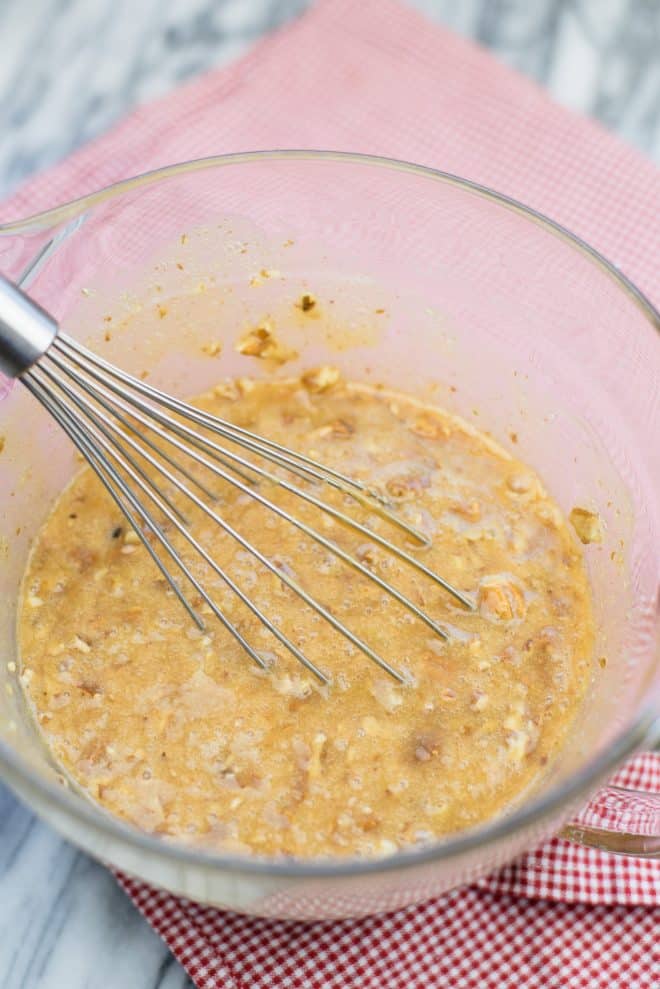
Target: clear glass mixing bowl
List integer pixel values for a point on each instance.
(490, 310)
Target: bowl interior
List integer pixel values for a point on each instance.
(423, 284)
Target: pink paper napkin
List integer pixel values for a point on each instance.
(375, 77)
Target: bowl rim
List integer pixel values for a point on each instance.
(557, 799)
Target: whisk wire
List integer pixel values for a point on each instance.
(115, 450)
(145, 446)
(312, 533)
(289, 459)
(198, 440)
(106, 475)
(102, 409)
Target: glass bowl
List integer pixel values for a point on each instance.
(492, 311)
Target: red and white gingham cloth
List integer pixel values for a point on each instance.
(561, 917)
(368, 75)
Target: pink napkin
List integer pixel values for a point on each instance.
(378, 78)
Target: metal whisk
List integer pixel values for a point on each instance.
(118, 422)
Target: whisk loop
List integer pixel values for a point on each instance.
(118, 423)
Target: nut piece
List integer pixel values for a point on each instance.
(405, 487)
(468, 510)
(521, 482)
(261, 342)
(371, 726)
(387, 847)
(430, 428)
(339, 429)
(320, 379)
(425, 746)
(500, 599)
(386, 694)
(587, 524)
(293, 686)
(318, 749)
(246, 385)
(518, 745)
(256, 342)
(367, 553)
(306, 303)
(226, 389)
(479, 701)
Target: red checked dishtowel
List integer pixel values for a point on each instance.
(375, 77)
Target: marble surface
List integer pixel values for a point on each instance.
(69, 69)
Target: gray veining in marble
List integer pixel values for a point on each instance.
(68, 70)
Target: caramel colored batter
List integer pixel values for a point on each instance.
(179, 732)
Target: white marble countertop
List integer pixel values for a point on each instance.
(69, 69)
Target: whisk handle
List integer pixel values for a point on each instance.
(26, 330)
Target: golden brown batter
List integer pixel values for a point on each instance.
(177, 731)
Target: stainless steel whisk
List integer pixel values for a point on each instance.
(112, 417)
